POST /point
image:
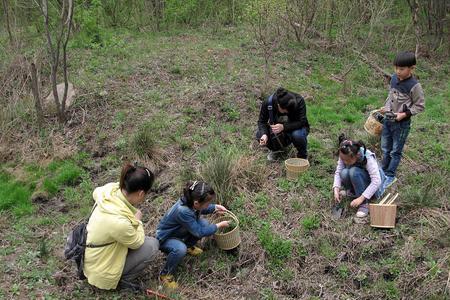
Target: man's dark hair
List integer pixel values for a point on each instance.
(285, 99)
(405, 59)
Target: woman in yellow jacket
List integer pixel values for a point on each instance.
(117, 223)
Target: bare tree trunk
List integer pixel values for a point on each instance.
(8, 26)
(37, 99)
(330, 28)
(54, 57)
(233, 18)
(66, 82)
(414, 6)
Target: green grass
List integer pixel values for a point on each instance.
(61, 174)
(310, 223)
(276, 247)
(187, 103)
(14, 196)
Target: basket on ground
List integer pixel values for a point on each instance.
(295, 166)
(382, 215)
(230, 239)
(372, 125)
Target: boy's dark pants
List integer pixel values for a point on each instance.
(297, 137)
(393, 138)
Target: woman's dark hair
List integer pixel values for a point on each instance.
(349, 147)
(405, 59)
(134, 178)
(197, 191)
(285, 99)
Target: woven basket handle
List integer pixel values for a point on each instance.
(233, 216)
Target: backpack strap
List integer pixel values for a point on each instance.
(270, 108)
(99, 246)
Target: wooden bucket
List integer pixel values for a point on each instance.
(383, 215)
(372, 125)
(231, 239)
(295, 166)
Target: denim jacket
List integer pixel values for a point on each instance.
(181, 221)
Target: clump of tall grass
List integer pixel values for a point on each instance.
(143, 143)
(229, 172)
(218, 172)
(425, 191)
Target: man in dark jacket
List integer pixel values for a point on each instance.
(289, 124)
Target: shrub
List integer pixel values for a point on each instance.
(262, 200)
(231, 111)
(311, 222)
(143, 142)
(424, 190)
(276, 247)
(218, 172)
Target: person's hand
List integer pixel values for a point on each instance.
(220, 209)
(357, 202)
(223, 224)
(138, 215)
(277, 128)
(263, 140)
(400, 116)
(337, 195)
(382, 110)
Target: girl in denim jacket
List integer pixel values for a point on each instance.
(181, 227)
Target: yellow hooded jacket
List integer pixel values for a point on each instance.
(112, 220)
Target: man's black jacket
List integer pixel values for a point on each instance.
(296, 117)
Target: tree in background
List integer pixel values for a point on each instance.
(57, 42)
(264, 17)
(7, 21)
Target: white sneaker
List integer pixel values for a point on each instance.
(361, 214)
(363, 211)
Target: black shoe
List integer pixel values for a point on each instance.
(302, 156)
(133, 287)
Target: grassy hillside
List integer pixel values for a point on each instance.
(187, 103)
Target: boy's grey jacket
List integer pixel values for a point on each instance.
(405, 96)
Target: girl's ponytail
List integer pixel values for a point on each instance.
(197, 191)
(187, 194)
(349, 147)
(134, 178)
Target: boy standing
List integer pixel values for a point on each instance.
(405, 99)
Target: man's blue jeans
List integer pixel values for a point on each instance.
(298, 138)
(176, 247)
(393, 138)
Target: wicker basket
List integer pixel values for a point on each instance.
(230, 239)
(372, 125)
(295, 166)
(383, 215)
